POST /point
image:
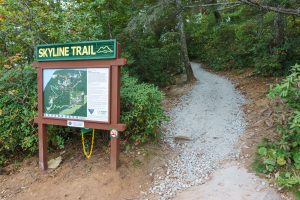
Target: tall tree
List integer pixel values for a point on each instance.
(184, 50)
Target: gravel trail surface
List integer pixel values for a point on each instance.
(203, 131)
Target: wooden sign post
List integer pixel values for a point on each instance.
(79, 86)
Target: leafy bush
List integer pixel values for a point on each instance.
(18, 107)
(141, 109)
(282, 156)
(18, 92)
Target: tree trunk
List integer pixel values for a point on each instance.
(217, 14)
(109, 23)
(260, 23)
(184, 51)
(279, 28)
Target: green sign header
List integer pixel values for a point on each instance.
(104, 49)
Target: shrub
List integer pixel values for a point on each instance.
(18, 105)
(282, 157)
(141, 109)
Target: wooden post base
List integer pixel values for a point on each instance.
(114, 153)
(43, 150)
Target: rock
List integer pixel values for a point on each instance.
(182, 138)
(54, 163)
(260, 187)
(3, 172)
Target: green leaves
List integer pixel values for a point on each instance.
(141, 109)
(18, 106)
(18, 95)
(262, 151)
(285, 150)
(281, 160)
(288, 180)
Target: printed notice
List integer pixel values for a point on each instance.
(80, 94)
(97, 94)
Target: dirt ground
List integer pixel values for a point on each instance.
(78, 178)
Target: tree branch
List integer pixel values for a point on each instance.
(212, 4)
(287, 11)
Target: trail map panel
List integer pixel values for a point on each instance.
(81, 93)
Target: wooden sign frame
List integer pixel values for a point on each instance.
(114, 66)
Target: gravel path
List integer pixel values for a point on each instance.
(210, 116)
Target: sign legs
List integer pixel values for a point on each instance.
(115, 115)
(43, 150)
(114, 152)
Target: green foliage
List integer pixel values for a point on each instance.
(288, 90)
(154, 54)
(141, 110)
(270, 158)
(282, 156)
(288, 180)
(18, 107)
(246, 37)
(18, 92)
(155, 58)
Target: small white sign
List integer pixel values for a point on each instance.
(114, 133)
(79, 124)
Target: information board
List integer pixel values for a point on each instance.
(79, 93)
(79, 86)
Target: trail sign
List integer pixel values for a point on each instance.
(105, 49)
(79, 90)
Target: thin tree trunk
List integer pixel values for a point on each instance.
(184, 51)
(217, 14)
(260, 23)
(109, 24)
(279, 28)
(110, 31)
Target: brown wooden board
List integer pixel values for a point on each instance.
(113, 122)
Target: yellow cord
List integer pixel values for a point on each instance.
(88, 156)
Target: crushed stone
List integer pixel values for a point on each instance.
(210, 116)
